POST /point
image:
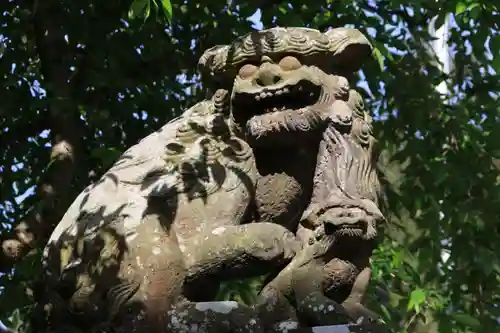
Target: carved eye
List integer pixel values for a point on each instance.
(247, 70)
(289, 63)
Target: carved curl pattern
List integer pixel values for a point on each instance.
(362, 121)
(220, 60)
(204, 144)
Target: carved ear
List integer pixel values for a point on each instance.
(213, 57)
(211, 62)
(350, 48)
(310, 216)
(373, 209)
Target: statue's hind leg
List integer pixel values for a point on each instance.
(155, 262)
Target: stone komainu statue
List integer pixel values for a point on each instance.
(271, 174)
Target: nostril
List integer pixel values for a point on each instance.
(267, 78)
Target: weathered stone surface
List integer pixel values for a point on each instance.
(210, 317)
(270, 175)
(339, 226)
(351, 328)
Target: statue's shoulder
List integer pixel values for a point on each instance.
(189, 152)
(193, 155)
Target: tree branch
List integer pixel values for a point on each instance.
(54, 191)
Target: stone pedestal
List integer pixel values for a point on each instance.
(231, 317)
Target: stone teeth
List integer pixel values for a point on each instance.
(265, 94)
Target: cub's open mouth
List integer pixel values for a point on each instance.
(346, 229)
(278, 98)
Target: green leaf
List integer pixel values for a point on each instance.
(466, 319)
(495, 49)
(380, 59)
(138, 8)
(167, 8)
(473, 5)
(147, 11)
(15, 320)
(460, 8)
(417, 298)
(107, 156)
(394, 299)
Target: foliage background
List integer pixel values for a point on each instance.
(113, 71)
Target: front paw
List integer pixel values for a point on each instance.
(273, 241)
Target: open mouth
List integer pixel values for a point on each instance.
(347, 229)
(278, 98)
